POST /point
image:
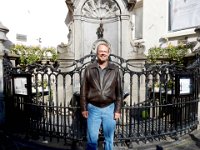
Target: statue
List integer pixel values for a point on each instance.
(64, 51)
(100, 31)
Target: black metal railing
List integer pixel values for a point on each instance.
(151, 108)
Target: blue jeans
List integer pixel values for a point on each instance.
(96, 116)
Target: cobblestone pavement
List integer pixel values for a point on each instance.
(189, 141)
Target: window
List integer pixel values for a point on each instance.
(183, 14)
(139, 23)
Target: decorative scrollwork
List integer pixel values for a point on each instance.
(100, 9)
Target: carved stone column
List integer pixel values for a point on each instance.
(65, 56)
(125, 36)
(65, 59)
(3, 38)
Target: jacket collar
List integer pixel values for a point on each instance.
(95, 65)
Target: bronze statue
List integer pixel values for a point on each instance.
(100, 31)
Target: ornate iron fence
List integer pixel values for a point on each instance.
(154, 105)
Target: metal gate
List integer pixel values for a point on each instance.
(43, 101)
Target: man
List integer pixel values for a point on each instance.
(101, 98)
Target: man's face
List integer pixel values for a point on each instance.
(103, 53)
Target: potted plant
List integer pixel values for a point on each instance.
(170, 86)
(158, 86)
(41, 86)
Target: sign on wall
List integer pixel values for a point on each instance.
(184, 14)
(184, 84)
(22, 84)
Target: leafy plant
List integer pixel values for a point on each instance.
(50, 53)
(171, 53)
(154, 54)
(44, 83)
(33, 54)
(158, 84)
(170, 84)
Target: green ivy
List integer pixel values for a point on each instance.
(154, 54)
(171, 53)
(33, 54)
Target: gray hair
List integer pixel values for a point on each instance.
(103, 43)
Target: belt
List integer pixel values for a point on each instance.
(100, 104)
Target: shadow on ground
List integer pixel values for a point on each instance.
(196, 140)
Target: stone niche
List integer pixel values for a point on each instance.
(84, 19)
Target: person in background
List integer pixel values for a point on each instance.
(101, 98)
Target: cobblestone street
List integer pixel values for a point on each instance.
(187, 142)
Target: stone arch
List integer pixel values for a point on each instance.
(99, 9)
(97, 42)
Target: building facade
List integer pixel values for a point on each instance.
(132, 27)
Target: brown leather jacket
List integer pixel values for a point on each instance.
(91, 91)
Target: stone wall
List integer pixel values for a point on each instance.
(85, 17)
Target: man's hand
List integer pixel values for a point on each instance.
(117, 116)
(85, 114)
